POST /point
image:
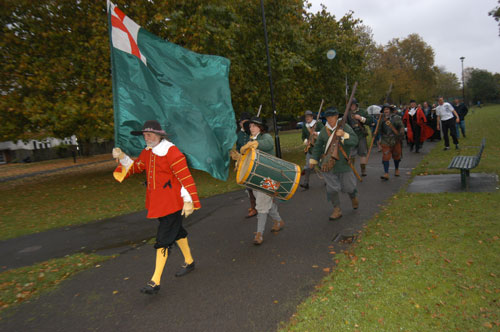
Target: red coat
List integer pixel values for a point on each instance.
(425, 130)
(166, 175)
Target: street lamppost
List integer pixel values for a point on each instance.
(463, 82)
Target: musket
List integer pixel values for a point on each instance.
(312, 137)
(378, 123)
(332, 153)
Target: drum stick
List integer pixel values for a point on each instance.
(260, 108)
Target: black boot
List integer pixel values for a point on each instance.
(185, 269)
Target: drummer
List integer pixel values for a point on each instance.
(266, 205)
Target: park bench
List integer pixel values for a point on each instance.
(466, 163)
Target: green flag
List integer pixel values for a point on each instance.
(188, 93)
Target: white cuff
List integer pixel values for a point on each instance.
(363, 119)
(126, 161)
(185, 195)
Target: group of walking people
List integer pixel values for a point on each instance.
(171, 193)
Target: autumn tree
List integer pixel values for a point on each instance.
(447, 84)
(482, 86)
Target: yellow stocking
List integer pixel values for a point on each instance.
(161, 259)
(183, 244)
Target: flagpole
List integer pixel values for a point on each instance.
(276, 135)
(113, 74)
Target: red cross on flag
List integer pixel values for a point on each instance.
(124, 32)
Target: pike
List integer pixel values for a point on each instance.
(378, 123)
(333, 145)
(312, 137)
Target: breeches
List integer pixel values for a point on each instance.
(362, 149)
(170, 230)
(391, 151)
(339, 182)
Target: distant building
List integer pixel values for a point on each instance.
(34, 150)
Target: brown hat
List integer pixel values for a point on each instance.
(150, 126)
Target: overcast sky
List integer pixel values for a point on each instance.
(453, 28)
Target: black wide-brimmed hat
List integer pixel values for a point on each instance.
(259, 121)
(244, 116)
(354, 101)
(308, 112)
(150, 126)
(390, 107)
(331, 111)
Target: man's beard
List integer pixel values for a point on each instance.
(152, 144)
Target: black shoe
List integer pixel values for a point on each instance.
(150, 288)
(185, 269)
(305, 186)
(446, 148)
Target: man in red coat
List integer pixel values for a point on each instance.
(415, 122)
(170, 195)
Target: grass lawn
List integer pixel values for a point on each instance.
(482, 123)
(27, 283)
(426, 262)
(90, 193)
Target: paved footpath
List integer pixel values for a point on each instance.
(236, 286)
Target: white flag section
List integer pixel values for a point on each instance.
(124, 32)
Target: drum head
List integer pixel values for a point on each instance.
(245, 166)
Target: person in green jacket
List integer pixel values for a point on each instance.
(310, 132)
(358, 119)
(266, 205)
(393, 133)
(243, 137)
(340, 177)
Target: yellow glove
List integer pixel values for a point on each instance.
(187, 209)
(249, 145)
(118, 153)
(312, 162)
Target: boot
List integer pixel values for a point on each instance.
(251, 213)
(258, 238)
(396, 172)
(336, 214)
(385, 177)
(277, 226)
(355, 202)
(363, 169)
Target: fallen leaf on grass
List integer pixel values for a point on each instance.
(326, 269)
(115, 292)
(315, 266)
